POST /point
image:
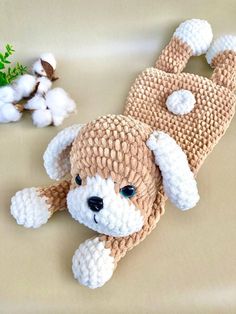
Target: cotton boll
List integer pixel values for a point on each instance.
(58, 115)
(56, 100)
(6, 94)
(24, 86)
(36, 102)
(42, 117)
(17, 94)
(56, 97)
(60, 104)
(10, 113)
(57, 120)
(44, 84)
(37, 68)
(49, 57)
(59, 101)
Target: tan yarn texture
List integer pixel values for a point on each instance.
(55, 195)
(174, 56)
(197, 132)
(225, 69)
(115, 145)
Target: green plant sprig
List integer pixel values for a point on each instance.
(9, 74)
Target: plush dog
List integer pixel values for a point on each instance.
(123, 167)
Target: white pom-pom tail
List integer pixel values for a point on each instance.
(181, 102)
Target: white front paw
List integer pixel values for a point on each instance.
(92, 264)
(29, 208)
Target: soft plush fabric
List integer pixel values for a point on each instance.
(123, 167)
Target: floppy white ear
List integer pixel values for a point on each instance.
(178, 180)
(57, 155)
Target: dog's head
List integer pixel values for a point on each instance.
(115, 179)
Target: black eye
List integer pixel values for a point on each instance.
(78, 180)
(128, 191)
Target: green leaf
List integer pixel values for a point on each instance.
(9, 49)
(3, 80)
(12, 72)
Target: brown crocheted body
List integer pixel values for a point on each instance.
(197, 132)
(115, 145)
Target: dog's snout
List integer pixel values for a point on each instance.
(95, 203)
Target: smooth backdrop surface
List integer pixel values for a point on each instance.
(188, 264)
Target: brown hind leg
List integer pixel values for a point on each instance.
(222, 57)
(191, 38)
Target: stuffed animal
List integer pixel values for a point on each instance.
(123, 167)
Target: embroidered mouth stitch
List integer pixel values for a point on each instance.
(94, 218)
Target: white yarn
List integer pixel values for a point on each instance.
(221, 44)
(29, 209)
(9, 113)
(6, 94)
(42, 118)
(178, 180)
(24, 86)
(56, 163)
(92, 264)
(36, 102)
(197, 34)
(44, 85)
(119, 217)
(181, 102)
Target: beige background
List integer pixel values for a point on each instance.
(188, 264)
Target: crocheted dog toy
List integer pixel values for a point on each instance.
(123, 167)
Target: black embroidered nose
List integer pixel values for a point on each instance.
(95, 203)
